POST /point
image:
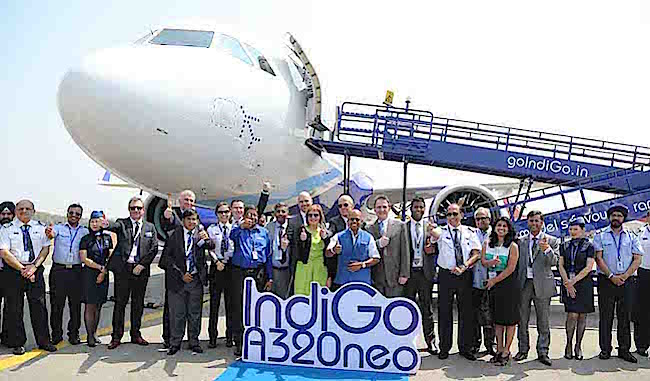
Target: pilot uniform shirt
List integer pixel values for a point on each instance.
(11, 239)
(644, 239)
(446, 252)
(617, 260)
(66, 243)
(223, 248)
(252, 249)
(480, 273)
(2, 228)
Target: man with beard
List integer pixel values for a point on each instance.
(7, 214)
(618, 255)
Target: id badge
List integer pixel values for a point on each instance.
(254, 255)
(492, 274)
(277, 256)
(529, 274)
(620, 266)
(417, 262)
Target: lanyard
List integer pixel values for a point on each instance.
(618, 246)
(418, 237)
(73, 236)
(575, 246)
(100, 244)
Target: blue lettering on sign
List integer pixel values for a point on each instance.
(353, 328)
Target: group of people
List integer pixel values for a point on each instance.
(491, 274)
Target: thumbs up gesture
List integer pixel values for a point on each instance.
(168, 213)
(383, 241)
(543, 244)
(49, 231)
(338, 248)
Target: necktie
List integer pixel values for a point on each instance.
(27, 243)
(188, 253)
(418, 234)
(457, 249)
(382, 227)
(135, 237)
(224, 240)
(284, 252)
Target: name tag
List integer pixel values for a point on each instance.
(620, 266)
(254, 255)
(148, 234)
(530, 273)
(417, 262)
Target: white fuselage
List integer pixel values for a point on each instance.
(168, 118)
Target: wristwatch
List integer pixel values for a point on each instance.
(363, 265)
(611, 275)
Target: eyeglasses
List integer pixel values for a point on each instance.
(313, 215)
(133, 208)
(454, 214)
(74, 214)
(354, 219)
(223, 211)
(344, 205)
(482, 218)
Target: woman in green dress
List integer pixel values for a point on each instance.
(309, 263)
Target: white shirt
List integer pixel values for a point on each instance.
(372, 246)
(11, 239)
(304, 217)
(216, 234)
(188, 250)
(468, 242)
(134, 250)
(277, 250)
(418, 246)
(644, 239)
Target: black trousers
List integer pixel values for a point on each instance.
(479, 298)
(238, 276)
(166, 323)
(3, 311)
(16, 289)
(65, 284)
(450, 285)
(134, 287)
(620, 300)
(419, 289)
(642, 324)
(220, 283)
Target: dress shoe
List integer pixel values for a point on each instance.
(491, 351)
(604, 355)
(229, 343)
(166, 344)
(627, 356)
(443, 355)
(57, 340)
(468, 355)
(474, 350)
(197, 349)
(74, 340)
(114, 344)
(19, 351)
(495, 359)
(172, 350)
(48, 347)
(642, 352)
(212, 344)
(140, 341)
(544, 359)
(432, 347)
(520, 356)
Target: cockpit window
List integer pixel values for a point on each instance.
(184, 37)
(257, 55)
(143, 39)
(232, 46)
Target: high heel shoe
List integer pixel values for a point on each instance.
(567, 352)
(91, 341)
(496, 358)
(578, 353)
(504, 361)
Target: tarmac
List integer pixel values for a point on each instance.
(131, 362)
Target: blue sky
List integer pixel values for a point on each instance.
(577, 67)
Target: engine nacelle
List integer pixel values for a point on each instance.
(471, 197)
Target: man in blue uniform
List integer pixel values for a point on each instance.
(251, 258)
(618, 255)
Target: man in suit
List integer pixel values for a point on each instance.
(538, 253)
(184, 262)
(392, 272)
(280, 250)
(422, 260)
(136, 248)
(339, 223)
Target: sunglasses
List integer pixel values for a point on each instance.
(454, 214)
(136, 207)
(344, 205)
(313, 215)
(354, 219)
(223, 211)
(482, 218)
(74, 214)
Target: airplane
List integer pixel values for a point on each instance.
(198, 106)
